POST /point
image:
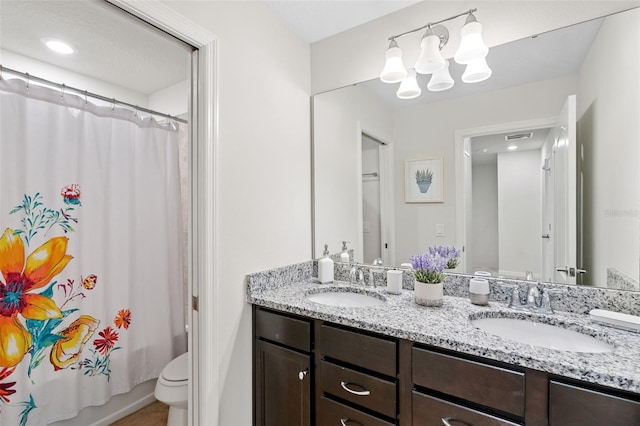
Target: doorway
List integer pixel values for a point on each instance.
(373, 236)
(499, 184)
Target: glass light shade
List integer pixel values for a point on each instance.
(409, 88)
(472, 46)
(476, 71)
(430, 59)
(441, 79)
(394, 70)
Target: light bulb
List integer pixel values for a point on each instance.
(441, 79)
(430, 59)
(409, 88)
(476, 71)
(472, 46)
(394, 70)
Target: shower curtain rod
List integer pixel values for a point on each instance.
(63, 87)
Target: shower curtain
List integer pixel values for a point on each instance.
(91, 282)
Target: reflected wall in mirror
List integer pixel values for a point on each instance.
(492, 206)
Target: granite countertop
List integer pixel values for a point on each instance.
(449, 327)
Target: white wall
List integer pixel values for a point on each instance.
(339, 117)
(358, 54)
(263, 167)
(429, 131)
(484, 238)
(608, 106)
(519, 210)
(173, 100)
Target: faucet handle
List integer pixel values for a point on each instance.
(514, 293)
(545, 301)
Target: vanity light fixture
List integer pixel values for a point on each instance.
(471, 52)
(58, 45)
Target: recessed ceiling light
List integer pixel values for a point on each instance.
(512, 147)
(58, 46)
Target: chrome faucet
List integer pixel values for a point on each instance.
(537, 299)
(356, 276)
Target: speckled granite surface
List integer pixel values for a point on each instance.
(449, 326)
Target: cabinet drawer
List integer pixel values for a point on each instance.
(429, 411)
(362, 389)
(574, 406)
(484, 384)
(373, 353)
(282, 329)
(332, 413)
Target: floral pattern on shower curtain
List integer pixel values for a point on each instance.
(91, 290)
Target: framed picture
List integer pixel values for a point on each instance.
(423, 181)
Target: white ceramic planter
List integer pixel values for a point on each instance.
(428, 294)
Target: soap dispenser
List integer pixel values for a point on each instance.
(325, 267)
(344, 255)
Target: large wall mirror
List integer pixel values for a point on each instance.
(539, 164)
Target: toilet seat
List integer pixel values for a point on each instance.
(176, 371)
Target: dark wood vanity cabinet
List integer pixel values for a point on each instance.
(575, 405)
(356, 377)
(311, 372)
(282, 370)
(459, 391)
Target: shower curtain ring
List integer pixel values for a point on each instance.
(85, 97)
(28, 80)
(113, 104)
(1, 69)
(62, 90)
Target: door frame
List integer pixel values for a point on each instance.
(203, 339)
(460, 136)
(387, 224)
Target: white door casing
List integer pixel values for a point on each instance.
(203, 242)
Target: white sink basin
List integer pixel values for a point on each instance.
(542, 335)
(346, 299)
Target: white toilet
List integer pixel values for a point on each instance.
(171, 389)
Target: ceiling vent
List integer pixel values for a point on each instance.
(518, 136)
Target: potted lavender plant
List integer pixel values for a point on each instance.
(427, 271)
(450, 253)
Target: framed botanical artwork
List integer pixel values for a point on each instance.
(423, 181)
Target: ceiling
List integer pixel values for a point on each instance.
(108, 46)
(314, 20)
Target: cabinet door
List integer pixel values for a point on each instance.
(283, 386)
(574, 406)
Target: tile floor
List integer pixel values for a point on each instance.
(154, 414)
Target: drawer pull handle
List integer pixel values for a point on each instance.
(359, 393)
(446, 421)
(344, 422)
(302, 374)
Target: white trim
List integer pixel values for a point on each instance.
(203, 338)
(460, 136)
(359, 245)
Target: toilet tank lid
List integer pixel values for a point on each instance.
(176, 370)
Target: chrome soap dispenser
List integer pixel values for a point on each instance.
(325, 267)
